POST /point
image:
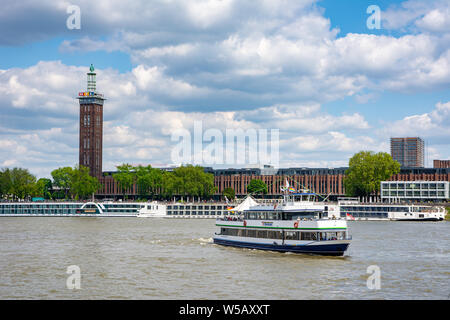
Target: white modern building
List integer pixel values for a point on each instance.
(415, 190)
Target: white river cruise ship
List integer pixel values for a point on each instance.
(112, 209)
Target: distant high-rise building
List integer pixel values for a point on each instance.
(441, 163)
(408, 151)
(91, 126)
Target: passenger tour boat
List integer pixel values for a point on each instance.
(296, 225)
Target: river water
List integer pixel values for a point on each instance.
(133, 258)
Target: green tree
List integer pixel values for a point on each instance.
(366, 171)
(148, 180)
(257, 186)
(22, 183)
(169, 184)
(43, 187)
(62, 179)
(125, 177)
(208, 186)
(5, 182)
(82, 184)
(229, 193)
(193, 181)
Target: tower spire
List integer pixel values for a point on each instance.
(91, 81)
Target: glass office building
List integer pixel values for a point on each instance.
(415, 190)
(408, 151)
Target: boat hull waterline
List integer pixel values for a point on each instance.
(329, 249)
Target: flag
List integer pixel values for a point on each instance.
(286, 187)
(349, 216)
(290, 189)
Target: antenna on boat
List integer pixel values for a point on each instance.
(326, 197)
(304, 188)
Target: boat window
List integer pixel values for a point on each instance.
(274, 234)
(251, 233)
(309, 236)
(261, 234)
(292, 235)
(252, 215)
(332, 236)
(272, 215)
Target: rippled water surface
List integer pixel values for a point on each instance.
(132, 258)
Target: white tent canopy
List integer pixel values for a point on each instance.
(246, 204)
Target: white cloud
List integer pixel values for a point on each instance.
(432, 126)
(429, 16)
(435, 20)
(231, 64)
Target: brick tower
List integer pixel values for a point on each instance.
(91, 126)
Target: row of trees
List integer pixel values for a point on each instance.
(366, 170)
(185, 181)
(73, 183)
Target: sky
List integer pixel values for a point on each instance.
(313, 70)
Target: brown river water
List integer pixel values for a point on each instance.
(134, 258)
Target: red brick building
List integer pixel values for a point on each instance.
(443, 164)
(319, 180)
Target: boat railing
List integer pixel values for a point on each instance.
(230, 219)
(337, 238)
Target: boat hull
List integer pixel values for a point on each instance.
(420, 219)
(329, 249)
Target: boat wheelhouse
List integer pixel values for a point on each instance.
(297, 225)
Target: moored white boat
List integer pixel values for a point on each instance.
(352, 209)
(153, 210)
